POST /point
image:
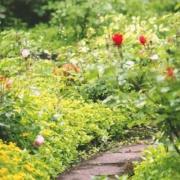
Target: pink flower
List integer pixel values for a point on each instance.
(39, 141)
(9, 83)
(25, 53)
(117, 39)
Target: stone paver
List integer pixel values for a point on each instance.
(108, 163)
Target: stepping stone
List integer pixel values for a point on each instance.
(89, 171)
(110, 158)
(133, 148)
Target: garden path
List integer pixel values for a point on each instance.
(110, 163)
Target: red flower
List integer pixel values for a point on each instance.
(170, 72)
(142, 40)
(117, 39)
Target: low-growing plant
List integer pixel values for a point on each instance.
(19, 164)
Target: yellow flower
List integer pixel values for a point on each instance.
(4, 158)
(25, 134)
(3, 171)
(29, 167)
(19, 176)
(16, 159)
(46, 133)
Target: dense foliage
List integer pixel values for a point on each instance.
(159, 164)
(65, 14)
(85, 78)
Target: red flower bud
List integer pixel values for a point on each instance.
(170, 72)
(117, 39)
(142, 40)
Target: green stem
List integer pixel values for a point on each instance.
(173, 133)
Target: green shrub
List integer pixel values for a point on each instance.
(12, 13)
(98, 90)
(158, 164)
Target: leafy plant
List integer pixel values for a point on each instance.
(158, 164)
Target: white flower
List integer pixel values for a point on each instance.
(39, 140)
(154, 57)
(160, 78)
(121, 80)
(35, 91)
(132, 28)
(140, 103)
(165, 89)
(101, 70)
(56, 117)
(25, 53)
(84, 49)
(73, 61)
(62, 123)
(129, 64)
(46, 52)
